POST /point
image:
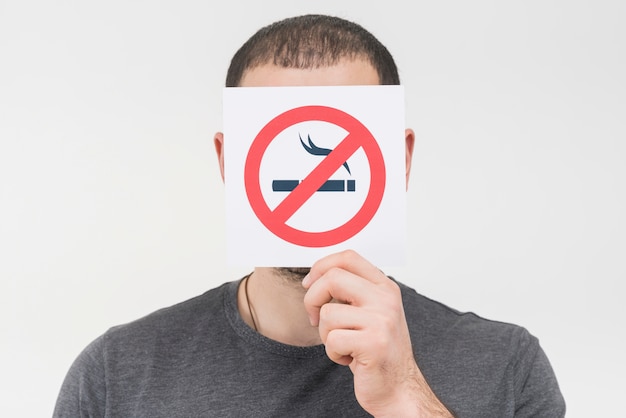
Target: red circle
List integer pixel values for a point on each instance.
(365, 140)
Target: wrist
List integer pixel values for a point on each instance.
(415, 399)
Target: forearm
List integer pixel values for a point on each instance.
(417, 400)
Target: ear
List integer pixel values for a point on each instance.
(409, 140)
(218, 141)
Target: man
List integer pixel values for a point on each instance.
(338, 339)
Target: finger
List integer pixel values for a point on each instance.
(347, 260)
(342, 345)
(339, 316)
(342, 286)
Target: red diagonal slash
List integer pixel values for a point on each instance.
(315, 179)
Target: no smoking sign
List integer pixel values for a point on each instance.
(314, 170)
(276, 219)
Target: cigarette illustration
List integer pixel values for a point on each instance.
(328, 186)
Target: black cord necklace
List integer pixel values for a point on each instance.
(245, 289)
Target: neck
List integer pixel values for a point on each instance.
(277, 306)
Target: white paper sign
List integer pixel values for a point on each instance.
(314, 170)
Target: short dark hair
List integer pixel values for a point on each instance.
(311, 41)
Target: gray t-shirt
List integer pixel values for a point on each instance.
(199, 359)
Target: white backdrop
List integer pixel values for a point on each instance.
(111, 205)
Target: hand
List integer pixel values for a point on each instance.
(361, 322)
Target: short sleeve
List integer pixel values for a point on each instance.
(538, 390)
(83, 393)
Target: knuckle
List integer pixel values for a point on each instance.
(324, 312)
(333, 274)
(348, 256)
(393, 287)
(380, 342)
(331, 340)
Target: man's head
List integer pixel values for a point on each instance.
(311, 50)
(311, 42)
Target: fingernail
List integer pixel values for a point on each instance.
(306, 280)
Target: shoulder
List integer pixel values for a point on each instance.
(171, 321)
(131, 347)
(503, 360)
(444, 332)
(433, 319)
